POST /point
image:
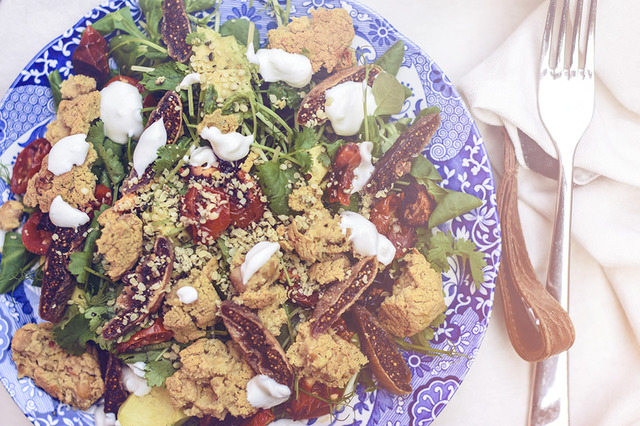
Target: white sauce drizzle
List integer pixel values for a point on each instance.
(364, 171)
(146, 150)
(264, 392)
(228, 146)
(344, 106)
(278, 65)
(120, 110)
(65, 216)
(202, 156)
(133, 382)
(68, 152)
(188, 80)
(366, 239)
(187, 294)
(256, 258)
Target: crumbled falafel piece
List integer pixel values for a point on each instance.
(328, 358)
(77, 85)
(225, 123)
(74, 380)
(325, 38)
(76, 186)
(417, 298)
(120, 242)
(317, 236)
(80, 106)
(10, 215)
(221, 63)
(189, 321)
(329, 271)
(212, 381)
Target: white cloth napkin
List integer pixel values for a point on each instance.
(502, 91)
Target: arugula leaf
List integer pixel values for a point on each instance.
(152, 10)
(165, 77)
(422, 169)
(122, 20)
(109, 154)
(197, 5)
(54, 84)
(73, 335)
(450, 203)
(84, 258)
(16, 261)
(388, 93)
(276, 185)
(426, 111)
(391, 60)
(240, 29)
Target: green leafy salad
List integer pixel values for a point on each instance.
(229, 228)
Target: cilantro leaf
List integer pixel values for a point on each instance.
(84, 258)
(158, 371)
(73, 335)
(170, 154)
(276, 185)
(109, 154)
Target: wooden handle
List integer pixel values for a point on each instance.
(538, 326)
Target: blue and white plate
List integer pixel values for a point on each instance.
(457, 150)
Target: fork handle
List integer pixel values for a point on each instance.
(550, 397)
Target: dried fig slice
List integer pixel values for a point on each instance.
(144, 290)
(261, 350)
(343, 295)
(57, 282)
(115, 392)
(385, 359)
(170, 110)
(417, 205)
(396, 162)
(311, 112)
(174, 29)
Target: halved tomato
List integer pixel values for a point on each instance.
(28, 163)
(35, 238)
(385, 216)
(207, 213)
(148, 336)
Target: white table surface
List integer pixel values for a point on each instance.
(457, 34)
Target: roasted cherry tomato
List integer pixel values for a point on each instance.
(342, 173)
(261, 418)
(91, 56)
(35, 238)
(311, 400)
(103, 195)
(244, 211)
(28, 163)
(384, 216)
(149, 336)
(207, 213)
(126, 79)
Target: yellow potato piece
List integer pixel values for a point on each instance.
(153, 409)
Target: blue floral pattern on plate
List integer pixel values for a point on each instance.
(457, 150)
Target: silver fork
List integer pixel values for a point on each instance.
(565, 102)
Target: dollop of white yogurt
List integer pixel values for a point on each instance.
(256, 258)
(188, 80)
(65, 216)
(133, 382)
(146, 150)
(364, 171)
(264, 392)
(202, 156)
(100, 418)
(366, 239)
(344, 106)
(278, 65)
(228, 146)
(68, 152)
(120, 110)
(187, 294)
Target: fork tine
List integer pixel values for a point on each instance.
(545, 56)
(590, 46)
(574, 65)
(564, 19)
